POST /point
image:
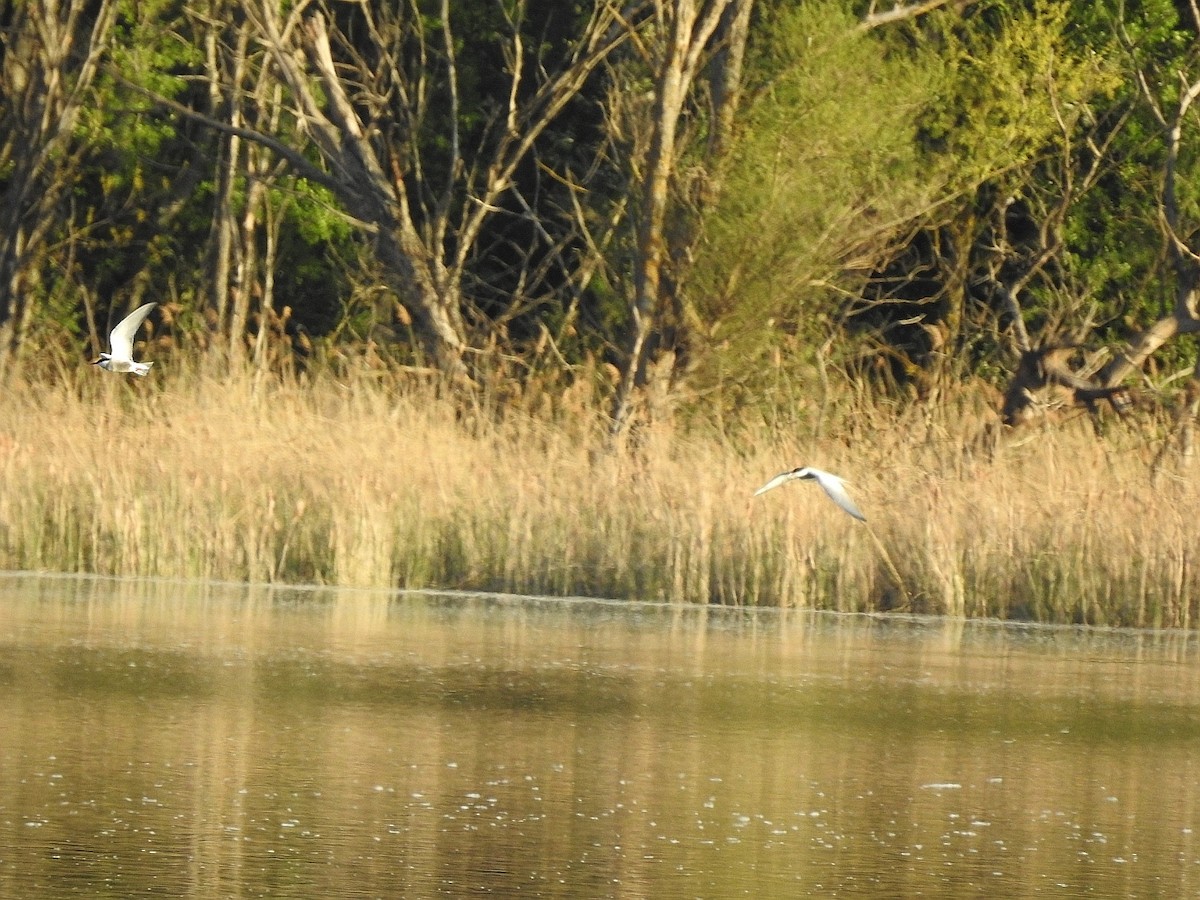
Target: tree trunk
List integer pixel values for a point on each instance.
(229, 265)
(690, 27)
(272, 220)
(670, 91)
(368, 193)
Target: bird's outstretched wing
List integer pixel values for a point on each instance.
(121, 340)
(835, 487)
(775, 482)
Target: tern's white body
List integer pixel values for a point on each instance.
(833, 485)
(119, 357)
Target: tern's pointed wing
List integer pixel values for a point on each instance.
(121, 339)
(774, 482)
(836, 489)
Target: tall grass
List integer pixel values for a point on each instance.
(360, 482)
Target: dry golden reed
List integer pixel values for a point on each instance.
(369, 481)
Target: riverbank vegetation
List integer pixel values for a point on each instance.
(531, 295)
(354, 480)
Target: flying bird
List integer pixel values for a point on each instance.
(119, 357)
(833, 485)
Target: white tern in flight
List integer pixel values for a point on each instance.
(833, 485)
(119, 357)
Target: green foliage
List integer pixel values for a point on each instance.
(862, 158)
(1114, 260)
(315, 214)
(149, 51)
(1015, 83)
(317, 247)
(1115, 251)
(826, 165)
(1048, 106)
(889, 157)
(145, 196)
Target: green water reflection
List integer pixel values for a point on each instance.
(222, 741)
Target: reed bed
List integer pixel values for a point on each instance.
(361, 482)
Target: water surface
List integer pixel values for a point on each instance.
(190, 740)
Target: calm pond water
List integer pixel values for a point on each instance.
(187, 740)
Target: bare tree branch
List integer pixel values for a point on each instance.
(901, 12)
(295, 158)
